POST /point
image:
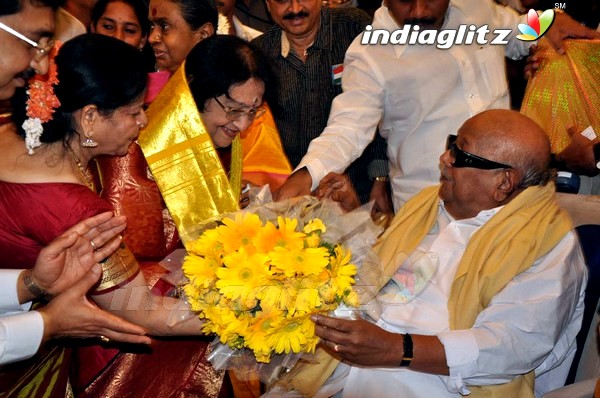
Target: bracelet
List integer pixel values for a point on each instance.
(407, 346)
(382, 178)
(34, 288)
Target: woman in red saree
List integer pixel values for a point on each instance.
(94, 109)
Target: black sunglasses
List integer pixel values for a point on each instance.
(466, 159)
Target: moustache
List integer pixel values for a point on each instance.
(422, 22)
(291, 15)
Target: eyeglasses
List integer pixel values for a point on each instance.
(466, 159)
(236, 114)
(41, 49)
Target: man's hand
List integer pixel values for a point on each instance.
(363, 343)
(71, 314)
(565, 27)
(381, 194)
(298, 184)
(532, 64)
(67, 258)
(338, 188)
(359, 342)
(245, 194)
(579, 154)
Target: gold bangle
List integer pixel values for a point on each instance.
(34, 288)
(382, 179)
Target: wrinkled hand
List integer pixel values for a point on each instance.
(71, 314)
(359, 342)
(579, 154)
(67, 258)
(565, 27)
(298, 184)
(245, 194)
(338, 188)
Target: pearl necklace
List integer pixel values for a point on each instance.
(84, 175)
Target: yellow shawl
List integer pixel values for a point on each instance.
(184, 163)
(522, 231)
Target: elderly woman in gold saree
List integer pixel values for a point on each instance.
(192, 145)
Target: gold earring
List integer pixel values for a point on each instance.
(89, 142)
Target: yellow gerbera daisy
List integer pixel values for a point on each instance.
(315, 225)
(289, 237)
(239, 231)
(208, 245)
(256, 335)
(242, 276)
(200, 271)
(292, 335)
(342, 271)
(299, 261)
(270, 295)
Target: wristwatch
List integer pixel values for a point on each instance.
(597, 154)
(34, 288)
(407, 355)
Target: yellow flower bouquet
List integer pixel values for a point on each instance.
(256, 276)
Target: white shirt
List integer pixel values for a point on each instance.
(245, 32)
(418, 94)
(242, 31)
(20, 331)
(530, 324)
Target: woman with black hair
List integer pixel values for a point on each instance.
(91, 104)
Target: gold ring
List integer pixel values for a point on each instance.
(104, 339)
(336, 348)
(93, 245)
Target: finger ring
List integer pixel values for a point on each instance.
(93, 245)
(336, 348)
(104, 339)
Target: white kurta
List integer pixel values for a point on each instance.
(20, 331)
(530, 324)
(417, 94)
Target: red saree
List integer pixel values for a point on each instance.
(33, 215)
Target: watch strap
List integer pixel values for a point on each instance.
(597, 154)
(34, 288)
(407, 355)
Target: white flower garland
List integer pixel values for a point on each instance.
(33, 131)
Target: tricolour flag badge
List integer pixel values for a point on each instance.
(336, 74)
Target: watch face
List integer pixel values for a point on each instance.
(598, 165)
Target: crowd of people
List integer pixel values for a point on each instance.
(146, 120)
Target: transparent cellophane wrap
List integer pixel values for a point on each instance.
(354, 230)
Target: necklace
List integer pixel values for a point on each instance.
(84, 175)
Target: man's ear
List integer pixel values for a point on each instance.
(508, 183)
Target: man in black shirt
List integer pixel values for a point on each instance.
(307, 48)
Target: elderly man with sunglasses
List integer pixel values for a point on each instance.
(484, 279)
